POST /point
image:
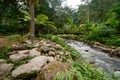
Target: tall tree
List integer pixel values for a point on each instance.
(32, 21)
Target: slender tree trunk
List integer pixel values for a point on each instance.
(32, 21)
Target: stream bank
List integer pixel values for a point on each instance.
(96, 57)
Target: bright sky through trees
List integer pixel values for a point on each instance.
(72, 3)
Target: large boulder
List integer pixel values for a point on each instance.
(30, 69)
(5, 69)
(34, 53)
(18, 57)
(49, 70)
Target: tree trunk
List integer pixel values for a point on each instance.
(32, 21)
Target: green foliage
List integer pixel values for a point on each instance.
(83, 71)
(42, 19)
(79, 70)
(107, 32)
(68, 36)
(4, 51)
(14, 37)
(64, 76)
(100, 31)
(114, 18)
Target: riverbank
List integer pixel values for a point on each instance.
(112, 51)
(96, 57)
(27, 61)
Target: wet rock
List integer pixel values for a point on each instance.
(86, 50)
(30, 69)
(5, 69)
(34, 53)
(106, 50)
(92, 60)
(18, 57)
(117, 73)
(51, 69)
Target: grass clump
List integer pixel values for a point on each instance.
(3, 52)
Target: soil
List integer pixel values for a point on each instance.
(3, 40)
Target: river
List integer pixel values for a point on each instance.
(97, 58)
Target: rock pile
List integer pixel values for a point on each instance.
(30, 57)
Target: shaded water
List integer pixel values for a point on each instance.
(98, 58)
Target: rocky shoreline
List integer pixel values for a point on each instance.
(26, 60)
(110, 50)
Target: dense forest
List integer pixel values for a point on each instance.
(93, 22)
(100, 19)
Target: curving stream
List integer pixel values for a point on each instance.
(99, 59)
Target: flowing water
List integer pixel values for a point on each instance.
(98, 58)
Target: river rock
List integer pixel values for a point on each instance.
(34, 53)
(18, 57)
(5, 69)
(30, 69)
(49, 70)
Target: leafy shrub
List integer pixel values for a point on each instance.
(100, 31)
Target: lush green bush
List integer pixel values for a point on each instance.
(100, 31)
